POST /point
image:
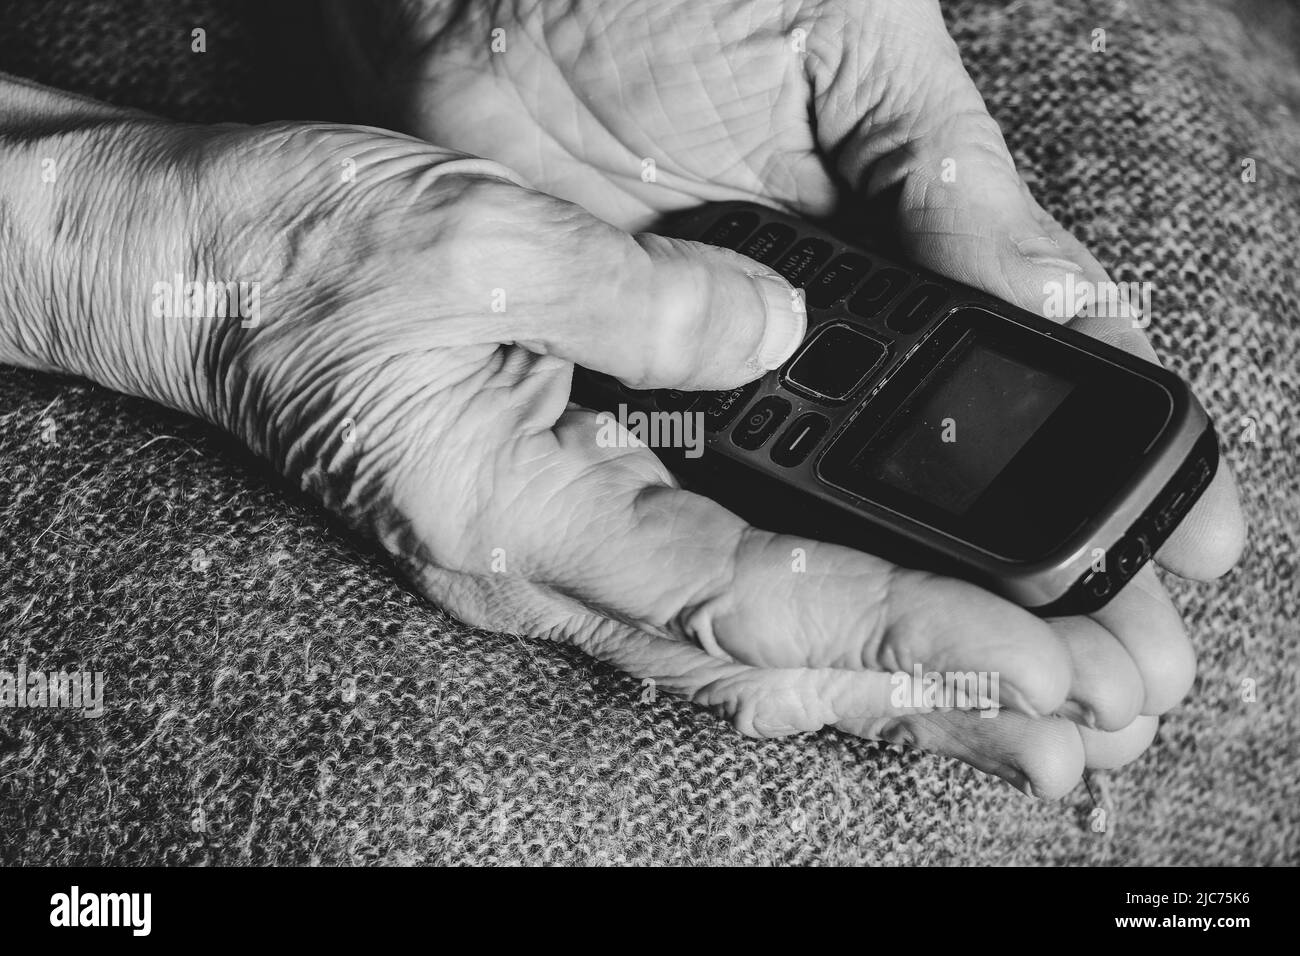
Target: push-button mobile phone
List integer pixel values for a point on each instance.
(938, 426)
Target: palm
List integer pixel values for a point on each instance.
(630, 137)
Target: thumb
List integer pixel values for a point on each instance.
(964, 211)
(651, 311)
(701, 317)
(928, 152)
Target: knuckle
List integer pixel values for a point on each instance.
(477, 213)
(477, 197)
(550, 257)
(676, 284)
(768, 706)
(730, 699)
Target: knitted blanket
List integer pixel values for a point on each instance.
(273, 694)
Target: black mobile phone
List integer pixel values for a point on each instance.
(937, 426)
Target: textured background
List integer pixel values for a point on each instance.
(224, 698)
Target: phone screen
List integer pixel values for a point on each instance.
(967, 423)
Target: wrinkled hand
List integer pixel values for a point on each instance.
(812, 107)
(807, 106)
(412, 369)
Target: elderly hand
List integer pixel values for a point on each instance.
(420, 314)
(815, 107)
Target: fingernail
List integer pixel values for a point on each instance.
(1079, 713)
(1046, 252)
(1022, 783)
(786, 321)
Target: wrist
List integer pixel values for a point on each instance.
(101, 218)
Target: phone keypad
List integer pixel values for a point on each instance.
(836, 280)
(877, 292)
(835, 362)
(731, 229)
(802, 262)
(800, 439)
(766, 244)
(722, 407)
(761, 422)
(920, 306)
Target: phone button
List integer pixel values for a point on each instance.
(731, 229)
(763, 419)
(723, 406)
(1131, 554)
(877, 292)
(835, 362)
(802, 262)
(1098, 584)
(766, 244)
(917, 309)
(800, 439)
(1177, 498)
(836, 280)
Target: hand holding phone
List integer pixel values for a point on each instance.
(933, 424)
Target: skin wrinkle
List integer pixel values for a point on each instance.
(744, 158)
(908, 114)
(718, 121)
(530, 550)
(83, 158)
(878, 612)
(577, 613)
(696, 611)
(622, 180)
(841, 67)
(712, 124)
(597, 618)
(486, 497)
(921, 156)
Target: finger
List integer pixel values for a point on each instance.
(1107, 689)
(651, 311)
(1043, 757)
(759, 702)
(1106, 751)
(1131, 657)
(676, 561)
(927, 148)
(1143, 619)
(1209, 541)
